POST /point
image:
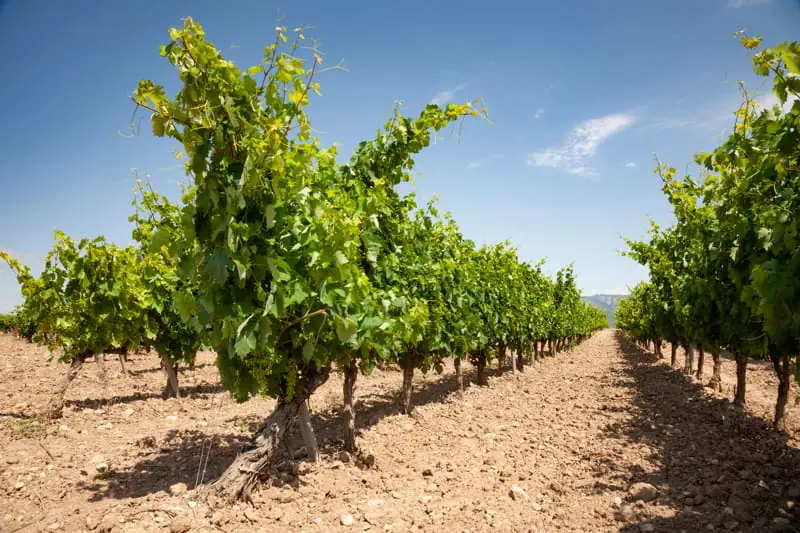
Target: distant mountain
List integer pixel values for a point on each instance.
(606, 302)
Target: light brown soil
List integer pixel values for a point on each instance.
(573, 432)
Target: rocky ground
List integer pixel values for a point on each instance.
(603, 438)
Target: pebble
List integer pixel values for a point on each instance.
(518, 493)
(626, 513)
(347, 520)
(180, 525)
(178, 488)
(642, 492)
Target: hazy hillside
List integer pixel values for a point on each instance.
(606, 302)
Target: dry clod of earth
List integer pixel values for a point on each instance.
(577, 442)
(642, 492)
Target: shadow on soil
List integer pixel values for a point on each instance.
(721, 469)
(181, 455)
(194, 391)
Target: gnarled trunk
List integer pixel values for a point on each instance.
(171, 390)
(408, 387)
(240, 478)
(55, 407)
(501, 356)
(122, 357)
(782, 369)
(536, 351)
(552, 352)
(459, 377)
(307, 431)
(520, 361)
(481, 368)
(701, 357)
(688, 359)
(349, 412)
(716, 377)
(659, 353)
(242, 475)
(674, 360)
(741, 380)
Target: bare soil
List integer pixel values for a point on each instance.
(555, 448)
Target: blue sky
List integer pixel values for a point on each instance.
(581, 95)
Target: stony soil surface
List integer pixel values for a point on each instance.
(602, 438)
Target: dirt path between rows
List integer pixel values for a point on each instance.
(555, 448)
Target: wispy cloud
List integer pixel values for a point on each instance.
(538, 113)
(480, 162)
(630, 164)
(770, 100)
(746, 3)
(581, 144)
(442, 97)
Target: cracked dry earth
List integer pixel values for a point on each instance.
(601, 438)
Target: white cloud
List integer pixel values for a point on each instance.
(442, 97)
(746, 3)
(630, 164)
(480, 162)
(538, 113)
(581, 144)
(770, 100)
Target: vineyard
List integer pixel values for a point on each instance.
(723, 278)
(337, 356)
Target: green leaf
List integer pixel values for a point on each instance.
(340, 257)
(345, 330)
(245, 345)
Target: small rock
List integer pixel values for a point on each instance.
(18, 485)
(536, 507)
(518, 493)
(110, 522)
(181, 525)
(646, 528)
(617, 501)
(12, 460)
(730, 524)
(642, 492)
(396, 495)
(426, 499)
(427, 472)
(347, 520)
(54, 526)
(178, 489)
(626, 513)
(100, 464)
(344, 457)
(92, 521)
(128, 412)
(251, 514)
(172, 418)
(217, 518)
(780, 521)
